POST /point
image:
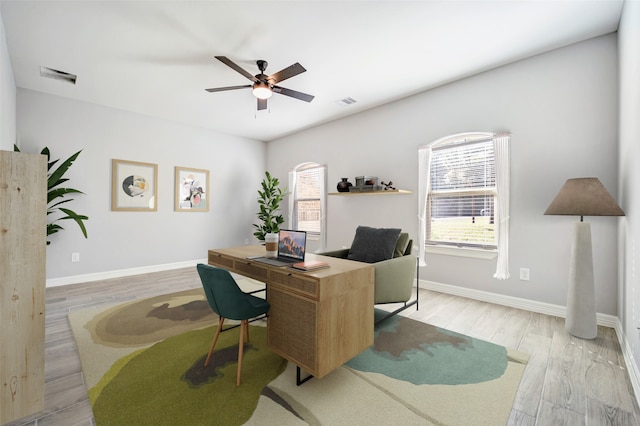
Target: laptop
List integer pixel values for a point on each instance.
(291, 248)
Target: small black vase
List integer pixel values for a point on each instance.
(343, 185)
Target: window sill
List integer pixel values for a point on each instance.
(463, 252)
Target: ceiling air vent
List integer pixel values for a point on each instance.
(58, 75)
(346, 101)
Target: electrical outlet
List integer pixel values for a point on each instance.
(524, 274)
(75, 257)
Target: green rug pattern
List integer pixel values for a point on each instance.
(143, 364)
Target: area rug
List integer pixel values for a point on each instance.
(143, 363)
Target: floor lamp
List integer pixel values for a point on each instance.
(582, 197)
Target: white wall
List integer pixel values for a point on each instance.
(561, 108)
(629, 231)
(7, 96)
(123, 240)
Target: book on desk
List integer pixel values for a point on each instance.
(310, 265)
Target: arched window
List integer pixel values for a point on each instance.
(464, 194)
(308, 200)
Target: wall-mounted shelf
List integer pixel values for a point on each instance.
(383, 192)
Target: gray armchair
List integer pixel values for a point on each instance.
(389, 250)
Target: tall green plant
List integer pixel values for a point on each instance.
(56, 194)
(269, 199)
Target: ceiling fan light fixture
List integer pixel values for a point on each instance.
(262, 90)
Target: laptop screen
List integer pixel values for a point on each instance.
(292, 244)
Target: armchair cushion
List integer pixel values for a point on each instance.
(373, 244)
(401, 245)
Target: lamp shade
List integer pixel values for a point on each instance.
(584, 197)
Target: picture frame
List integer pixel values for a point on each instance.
(191, 190)
(134, 186)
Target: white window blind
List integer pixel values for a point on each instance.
(462, 194)
(308, 199)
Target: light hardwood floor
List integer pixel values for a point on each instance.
(568, 381)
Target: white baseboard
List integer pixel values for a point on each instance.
(513, 302)
(548, 309)
(632, 366)
(76, 279)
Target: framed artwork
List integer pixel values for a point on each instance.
(134, 186)
(192, 190)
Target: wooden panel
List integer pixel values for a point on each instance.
(252, 270)
(216, 259)
(346, 325)
(23, 183)
(295, 282)
(239, 265)
(291, 328)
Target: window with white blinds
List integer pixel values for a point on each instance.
(308, 193)
(462, 194)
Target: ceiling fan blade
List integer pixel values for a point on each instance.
(290, 71)
(228, 62)
(222, 89)
(262, 104)
(293, 93)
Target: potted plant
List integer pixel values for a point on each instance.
(55, 192)
(269, 199)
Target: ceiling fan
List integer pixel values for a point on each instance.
(265, 85)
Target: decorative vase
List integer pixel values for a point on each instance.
(343, 185)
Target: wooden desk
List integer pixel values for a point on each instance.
(318, 320)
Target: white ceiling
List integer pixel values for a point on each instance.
(157, 57)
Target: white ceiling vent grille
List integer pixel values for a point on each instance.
(346, 101)
(58, 75)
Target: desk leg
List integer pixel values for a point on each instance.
(306, 379)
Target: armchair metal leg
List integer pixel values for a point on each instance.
(397, 311)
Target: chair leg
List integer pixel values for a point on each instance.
(244, 324)
(215, 340)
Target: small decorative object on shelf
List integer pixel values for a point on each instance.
(344, 185)
(365, 184)
(388, 186)
(366, 180)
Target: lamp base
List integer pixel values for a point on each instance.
(581, 302)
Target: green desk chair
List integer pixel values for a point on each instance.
(229, 302)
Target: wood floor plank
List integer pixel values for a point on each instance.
(79, 414)
(605, 347)
(604, 382)
(465, 321)
(530, 391)
(603, 414)
(565, 376)
(518, 418)
(488, 323)
(550, 414)
(511, 330)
